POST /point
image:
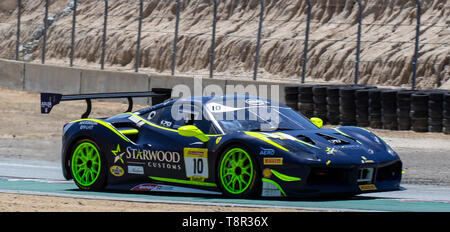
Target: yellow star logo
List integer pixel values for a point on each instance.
(116, 155)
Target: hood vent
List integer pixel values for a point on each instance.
(333, 140)
(347, 136)
(305, 139)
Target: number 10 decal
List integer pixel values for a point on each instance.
(198, 165)
(196, 162)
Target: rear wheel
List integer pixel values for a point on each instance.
(87, 166)
(238, 175)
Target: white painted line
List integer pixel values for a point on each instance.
(29, 166)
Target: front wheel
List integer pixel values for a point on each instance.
(88, 169)
(238, 173)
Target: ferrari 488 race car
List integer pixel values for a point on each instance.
(222, 144)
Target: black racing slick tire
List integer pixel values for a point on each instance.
(238, 174)
(88, 166)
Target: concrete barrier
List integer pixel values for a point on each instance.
(99, 81)
(11, 74)
(49, 78)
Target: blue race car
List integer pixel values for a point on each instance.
(240, 146)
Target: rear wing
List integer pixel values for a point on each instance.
(48, 100)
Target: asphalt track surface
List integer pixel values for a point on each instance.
(39, 177)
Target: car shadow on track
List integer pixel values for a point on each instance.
(212, 197)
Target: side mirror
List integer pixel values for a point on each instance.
(317, 121)
(192, 131)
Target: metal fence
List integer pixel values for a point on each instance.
(262, 21)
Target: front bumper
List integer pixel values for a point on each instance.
(316, 181)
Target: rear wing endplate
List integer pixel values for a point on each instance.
(48, 100)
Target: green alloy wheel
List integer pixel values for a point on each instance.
(237, 173)
(86, 166)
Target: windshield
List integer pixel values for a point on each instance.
(260, 118)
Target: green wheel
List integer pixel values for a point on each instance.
(86, 165)
(238, 173)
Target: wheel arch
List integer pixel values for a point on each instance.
(246, 146)
(232, 143)
(66, 162)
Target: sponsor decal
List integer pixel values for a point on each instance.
(267, 151)
(367, 187)
(267, 173)
(350, 147)
(166, 123)
(273, 161)
(116, 170)
(136, 120)
(87, 125)
(151, 115)
(219, 108)
(46, 104)
(330, 151)
(135, 170)
(151, 187)
(117, 154)
(218, 140)
(196, 162)
(155, 158)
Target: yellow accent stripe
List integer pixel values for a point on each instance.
(160, 127)
(183, 181)
(346, 135)
(340, 132)
(306, 143)
(129, 132)
(285, 177)
(265, 139)
(107, 125)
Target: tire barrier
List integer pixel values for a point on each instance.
(403, 109)
(362, 107)
(291, 97)
(320, 102)
(333, 105)
(347, 107)
(446, 113)
(388, 99)
(368, 106)
(419, 112)
(305, 100)
(375, 109)
(435, 110)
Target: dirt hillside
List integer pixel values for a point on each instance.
(387, 49)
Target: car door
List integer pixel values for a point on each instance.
(174, 157)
